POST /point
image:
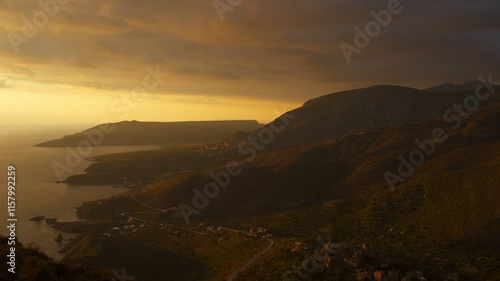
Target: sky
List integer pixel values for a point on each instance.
(86, 62)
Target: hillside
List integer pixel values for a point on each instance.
(155, 133)
(378, 106)
(441, 218)
(319, 119)
(444, 218)
(33, 265)
(334, 169)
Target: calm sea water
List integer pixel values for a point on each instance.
(37, 193)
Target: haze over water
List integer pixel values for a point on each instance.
(37, 193)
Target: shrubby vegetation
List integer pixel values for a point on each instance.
(33, 265)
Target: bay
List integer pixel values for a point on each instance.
(38, 194)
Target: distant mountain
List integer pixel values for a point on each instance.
(450, 87)
(155, 133)
(378, 106)
(447, 87)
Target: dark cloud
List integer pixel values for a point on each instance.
(259, 45)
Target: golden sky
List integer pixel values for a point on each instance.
(82, 65)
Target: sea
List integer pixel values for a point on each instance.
(38, 194)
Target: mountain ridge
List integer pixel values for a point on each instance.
(155, 133)
(345, 112)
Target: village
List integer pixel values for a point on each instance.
(219, 232)
(366, 264)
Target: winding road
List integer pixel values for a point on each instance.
(235, 274)
(253, 260)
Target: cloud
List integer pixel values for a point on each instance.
(283, 49)
(4, 84)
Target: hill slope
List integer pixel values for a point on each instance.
(378, 106)
(154, 133)
(339, 168)
(443, 218)
(33, 265)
